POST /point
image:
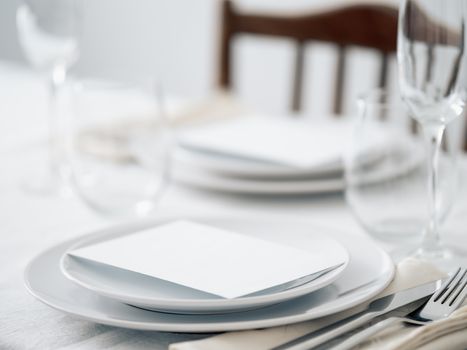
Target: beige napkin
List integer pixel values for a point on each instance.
(409, 273)
(220, 105)
(450, 333)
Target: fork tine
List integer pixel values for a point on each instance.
(440, 292)
(459, 294)
(454, 285)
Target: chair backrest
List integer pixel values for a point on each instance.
(369, 26)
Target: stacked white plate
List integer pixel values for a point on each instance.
(103, 294)
(263, 155)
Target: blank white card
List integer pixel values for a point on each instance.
(209, 259)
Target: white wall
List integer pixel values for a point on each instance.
(176, 41)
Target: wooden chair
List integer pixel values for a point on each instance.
(368, 26)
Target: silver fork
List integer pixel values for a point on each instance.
(441, 304)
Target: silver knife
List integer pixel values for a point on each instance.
(375, 309)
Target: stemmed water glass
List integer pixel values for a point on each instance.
(431, 57)
(48, 33)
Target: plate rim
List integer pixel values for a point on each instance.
(218, 183)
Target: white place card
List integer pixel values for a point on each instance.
(210, 259)
(291, 142)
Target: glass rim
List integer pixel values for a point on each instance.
(379, 97)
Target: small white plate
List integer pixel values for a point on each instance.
(246, 168)
(289, 144)
(156, 294)
(370, 270)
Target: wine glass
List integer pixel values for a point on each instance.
(48, 33)
(385, 169)
(431, 57)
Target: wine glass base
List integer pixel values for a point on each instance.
(46, 186)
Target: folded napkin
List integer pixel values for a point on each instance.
(449, 333)
(218, 106)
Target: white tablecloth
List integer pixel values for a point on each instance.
(29, 224)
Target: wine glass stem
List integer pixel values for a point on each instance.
(433, 136)
(57, 79)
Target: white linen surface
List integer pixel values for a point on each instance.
(29, 224)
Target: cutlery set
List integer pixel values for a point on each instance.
(444, 300)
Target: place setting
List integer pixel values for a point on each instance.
(209, 275)
(217, 275)
(227, 156)
(251, 230)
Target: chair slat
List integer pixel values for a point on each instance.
(299, 68)
(226, 34)
(340, 79)
(383, 71)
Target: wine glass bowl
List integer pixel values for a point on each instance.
(430, 50)
(47, 31)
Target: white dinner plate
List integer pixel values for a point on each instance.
(205, 180)
(381, 167)
(370, 270)
(155, 294)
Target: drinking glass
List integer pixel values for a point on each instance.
(118, 146)
(385, 172)
(48, 33)
(431, 56)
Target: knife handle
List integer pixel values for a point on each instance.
(336, 332)
(366, 333)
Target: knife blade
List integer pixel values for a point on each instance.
(376, 308)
